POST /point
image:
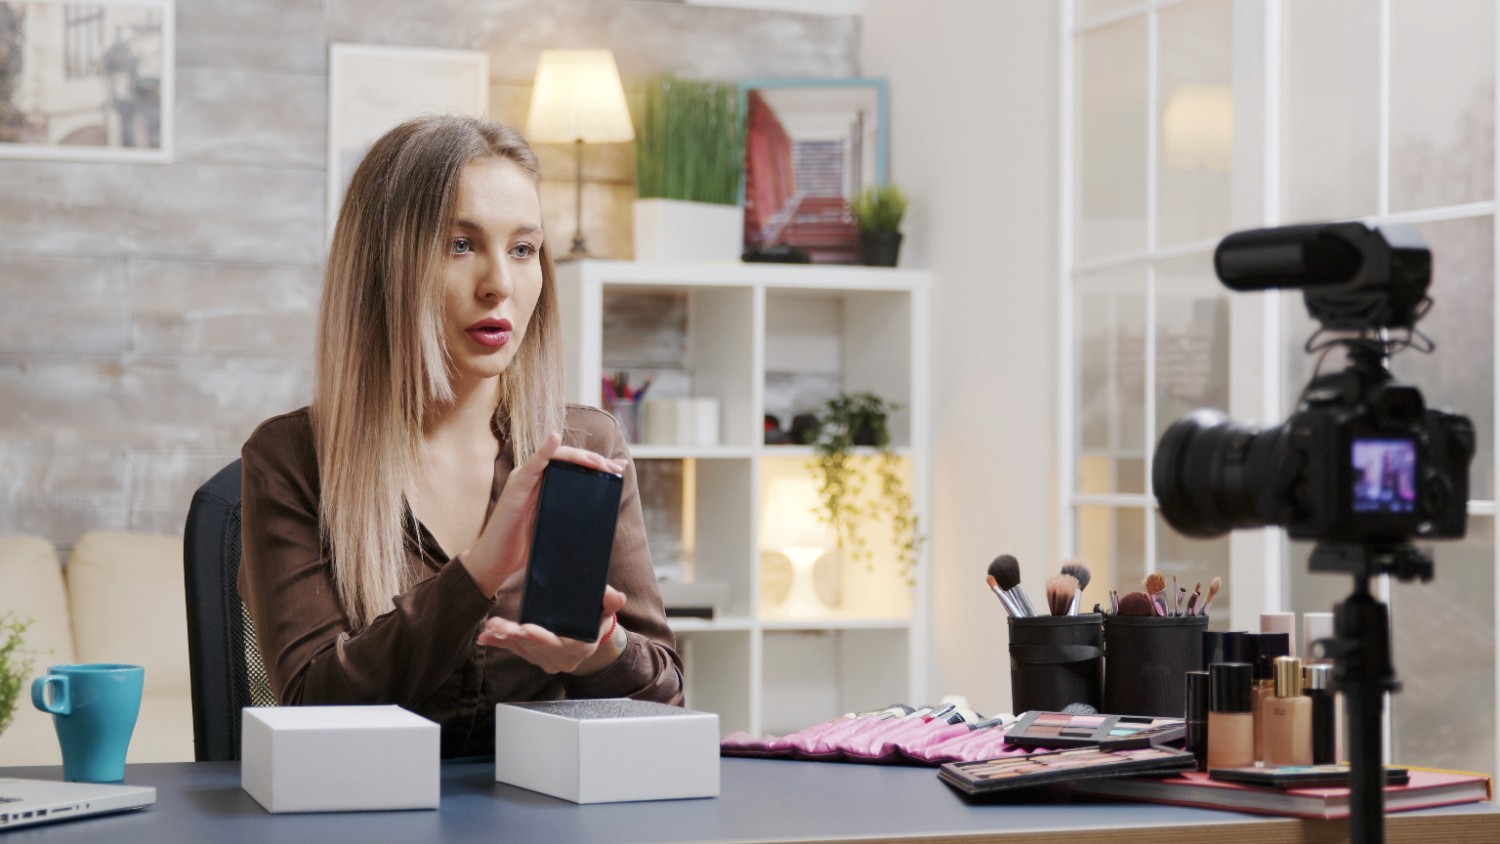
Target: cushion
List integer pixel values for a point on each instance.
(31, 585)
(128, 605)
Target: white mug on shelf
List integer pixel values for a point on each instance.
(687, 421)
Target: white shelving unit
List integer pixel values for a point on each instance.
(760, 670)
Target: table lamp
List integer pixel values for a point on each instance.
(791, 526)
(577, 98)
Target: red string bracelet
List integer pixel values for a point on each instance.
(614, 621)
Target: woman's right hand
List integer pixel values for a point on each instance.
(504, 546)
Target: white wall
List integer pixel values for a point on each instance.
(974, 140)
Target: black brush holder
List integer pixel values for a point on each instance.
(1148, 660)
(1056, 660)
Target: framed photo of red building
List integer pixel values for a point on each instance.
(811, 146)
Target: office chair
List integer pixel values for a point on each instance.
(222, 656)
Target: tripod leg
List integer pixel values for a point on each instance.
(1364, 673)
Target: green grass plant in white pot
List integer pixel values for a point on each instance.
(689, 156)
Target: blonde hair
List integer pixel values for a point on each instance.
(382, 360)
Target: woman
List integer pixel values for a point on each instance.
(386, 527)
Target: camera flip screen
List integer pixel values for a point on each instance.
(1385, 475)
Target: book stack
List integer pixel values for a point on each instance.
(1423, 789)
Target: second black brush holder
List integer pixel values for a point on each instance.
(1056, 660)
(1147, 660)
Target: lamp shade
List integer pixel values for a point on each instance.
(577, 96)
(790, 518)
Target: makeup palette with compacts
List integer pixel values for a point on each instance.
(979, 778)
(1110, 732)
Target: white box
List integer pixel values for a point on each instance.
(607, 751)
(339, 758)
(690, 421)
(675, 231)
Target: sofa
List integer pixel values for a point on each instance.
(119, 599)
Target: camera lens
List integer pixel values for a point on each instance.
(1208, 472)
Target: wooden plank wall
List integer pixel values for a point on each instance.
(154, 314)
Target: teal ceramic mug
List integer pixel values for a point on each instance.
(94, 707)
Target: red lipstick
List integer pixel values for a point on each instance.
(490, 332)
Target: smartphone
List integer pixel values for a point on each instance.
(571, 541)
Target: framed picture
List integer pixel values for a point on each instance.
(86, 82)
(373, 89)
(811, 145)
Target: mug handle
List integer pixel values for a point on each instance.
(62, 703)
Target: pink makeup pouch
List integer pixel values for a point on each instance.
(872, 739)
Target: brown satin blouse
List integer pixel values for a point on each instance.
(421, 655)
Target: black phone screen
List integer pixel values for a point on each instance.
(571, 542)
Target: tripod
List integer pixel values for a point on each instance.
(1361, 650)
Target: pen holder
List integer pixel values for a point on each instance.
(1148, 660)
(1056, 660)
(628, 413)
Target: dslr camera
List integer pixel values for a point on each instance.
(1363, 463)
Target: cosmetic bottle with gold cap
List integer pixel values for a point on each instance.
(1287, 719)
(1268, 646)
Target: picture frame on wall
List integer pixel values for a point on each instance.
(372, 89)
(87, 82)
(811, 147)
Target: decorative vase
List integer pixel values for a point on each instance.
(879, 249)
(677, 231)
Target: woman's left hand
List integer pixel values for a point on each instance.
(555, 654)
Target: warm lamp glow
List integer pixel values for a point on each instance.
(790, 525)
(577, 96)
(1197, 128)
(790, 518)
(577, 99)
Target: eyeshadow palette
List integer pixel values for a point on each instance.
(1111, 732)
(992, 775)
(1301, 776)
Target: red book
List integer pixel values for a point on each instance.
(1193, 788)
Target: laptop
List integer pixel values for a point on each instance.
(26, 802)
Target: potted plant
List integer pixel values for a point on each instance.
(689, 156)
(862, 419)
(14, 667)
(877, 213)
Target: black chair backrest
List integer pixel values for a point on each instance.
(222, 654)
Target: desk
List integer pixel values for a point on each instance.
(763, 800)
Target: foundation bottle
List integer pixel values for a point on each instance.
(1288, 717)
(1268, 646)
(1231, 725)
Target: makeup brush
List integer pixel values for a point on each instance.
(1213, 591)
(1114, 601)
(1061, 589)
(1007, 572)
(1176, 598)
(1079, 570)
(1005, 600)
(1154, 584)
(1137, 604)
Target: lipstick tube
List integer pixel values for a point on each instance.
(1196, 697)
(1318, 686)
